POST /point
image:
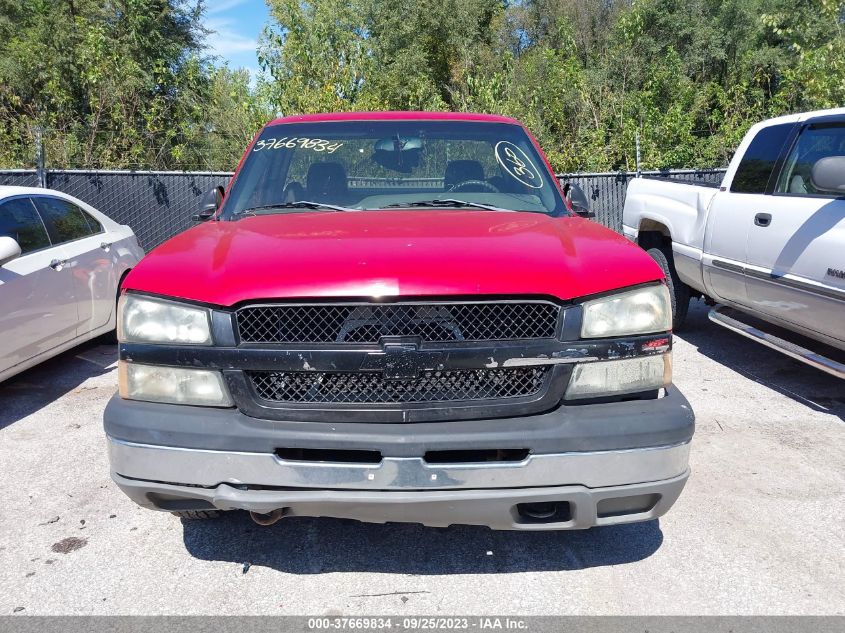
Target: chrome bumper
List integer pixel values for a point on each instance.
(592, 488)
(208, 468)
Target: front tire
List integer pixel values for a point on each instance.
(197, 515)
(678, 290)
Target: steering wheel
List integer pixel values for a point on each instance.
(482, 184)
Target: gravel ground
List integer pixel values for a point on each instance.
(758, 530)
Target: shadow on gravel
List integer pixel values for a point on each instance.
(791, 378)
(36, 388)
(303, 545)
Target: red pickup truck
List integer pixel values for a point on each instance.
(398, 317)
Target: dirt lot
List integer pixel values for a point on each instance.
(759, 529)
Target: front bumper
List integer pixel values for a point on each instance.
(577, 507)
(208, 469)
(595, 464)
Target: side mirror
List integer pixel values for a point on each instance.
(209, 204)
(9, 249)
(578, 199)
(828, 175)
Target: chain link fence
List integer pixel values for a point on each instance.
(19, 177)
(158, 205)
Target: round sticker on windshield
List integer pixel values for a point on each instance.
(518, 165)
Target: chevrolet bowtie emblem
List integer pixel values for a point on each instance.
(402, 361)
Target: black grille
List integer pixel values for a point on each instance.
(367, 323)
(373, 388)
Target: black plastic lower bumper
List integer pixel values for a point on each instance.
(587, 427)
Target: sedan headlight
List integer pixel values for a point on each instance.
(173, 385)
(640, 311)
(148, 320)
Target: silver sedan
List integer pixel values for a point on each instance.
(61, 266)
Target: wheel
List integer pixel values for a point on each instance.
(678, 290)
(197, 515)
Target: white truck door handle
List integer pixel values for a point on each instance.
(763, 219)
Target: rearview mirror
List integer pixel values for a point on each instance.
(398, 153)
(828, 175)
(9, 249)
(211, 201)
(578, 199)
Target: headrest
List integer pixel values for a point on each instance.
(326, 180)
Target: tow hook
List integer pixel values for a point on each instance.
(269, 518)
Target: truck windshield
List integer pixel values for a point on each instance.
(357, 165)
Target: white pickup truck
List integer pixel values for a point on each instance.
(767, 246)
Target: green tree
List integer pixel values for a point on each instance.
(316, 54)
(119, 84)
(814, 32)
(234, 113)
(126, 84)
(425, 51)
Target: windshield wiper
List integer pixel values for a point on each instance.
(299, 204)
(445, 202)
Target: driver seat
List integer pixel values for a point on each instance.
(326, 182)
(458, 171)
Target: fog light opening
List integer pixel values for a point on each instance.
(175, 503)
(544, 512)
(620, 506)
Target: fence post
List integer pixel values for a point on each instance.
(40, 169)
(638, 153)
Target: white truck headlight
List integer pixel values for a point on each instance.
(147, 320)
(616, 377)
(173, 385)
(639, 311)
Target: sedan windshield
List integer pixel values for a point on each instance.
(358, 165)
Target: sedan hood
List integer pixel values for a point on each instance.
(392, 253)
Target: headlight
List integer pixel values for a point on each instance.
(615, 377)
(147, 320)
(640, 311)
(173, 385)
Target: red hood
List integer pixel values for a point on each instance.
(391, 253)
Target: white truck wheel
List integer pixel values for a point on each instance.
(678, 290)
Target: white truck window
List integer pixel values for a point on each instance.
(755, 169)
(814, 143)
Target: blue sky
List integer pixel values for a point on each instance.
(236, 25)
